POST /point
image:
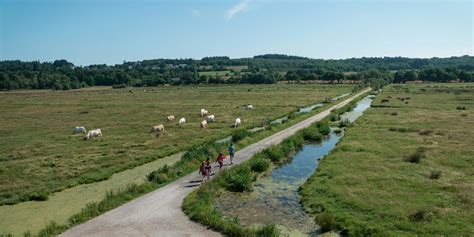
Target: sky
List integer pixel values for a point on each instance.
(104, 31)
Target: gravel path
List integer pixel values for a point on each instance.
(159, 213)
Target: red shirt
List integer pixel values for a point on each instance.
(221, 158)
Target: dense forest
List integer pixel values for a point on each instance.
(269, 68)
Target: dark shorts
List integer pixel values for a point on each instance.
(220, 164)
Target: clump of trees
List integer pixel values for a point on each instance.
(262, 69)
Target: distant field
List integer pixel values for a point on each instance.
(40, 153)
(372, 183)
(214, 73)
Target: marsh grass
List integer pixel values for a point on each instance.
(435, 174)
(260, 165)
(189, 162)
(38, 155)
(416, 156)
(374, 192)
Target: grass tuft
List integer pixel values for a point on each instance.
(326, 221)
(435, 174)
(259, 165)
(416, 157)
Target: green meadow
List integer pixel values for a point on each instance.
(40, 154)
(405, 168)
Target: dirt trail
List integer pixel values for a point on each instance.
(159, 213)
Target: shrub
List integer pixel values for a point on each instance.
(119, 86)
(435, 174)
(338, 131)
(268, 231)
(52, 229)
(344, 123)
(274, 154)
(421, 215)
(38, 196)
(416, 157)
(394, 113)
(239, 179)
(461, 108)
(425, 132)
(312, 134)
(259, 165)
(324, 128)
(326, 221)
(240, 134)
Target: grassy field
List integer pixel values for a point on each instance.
(33, 216)
(214, 73)
(404, 168)
(40, 154)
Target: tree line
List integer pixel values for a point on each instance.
(262, 69)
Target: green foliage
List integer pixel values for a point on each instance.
(38, 196)
(435, 174)
(240, 134)
(312, 134)
(421, 215)
(416, 157)
(239, 178)
(461, 108)
(259, 164)
(274, 154)
(344, 123)
(326, 221)
(268, 231)
(52, 229)
(323, 128)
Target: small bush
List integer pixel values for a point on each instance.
(394, 129)
(324, 128)
(268, 231)
(461, 108)
(416, 157)
(338, 131)
(312, 134)
(394, 113)
(435, 174)
(274, 154)
(52, 229)
(463, 115)
(260, 165)
(119, 86)
(421, 215)
(344, 123)
(38, 196)
(239, 179)
(240, 134)
(425, 132)
(326, 221)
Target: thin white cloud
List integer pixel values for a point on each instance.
(237, 8)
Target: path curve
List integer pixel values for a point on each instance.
(158, 213)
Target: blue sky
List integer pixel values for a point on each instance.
(105, 31)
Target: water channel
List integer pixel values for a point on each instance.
(275, 198)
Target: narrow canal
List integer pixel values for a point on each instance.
(275, 198)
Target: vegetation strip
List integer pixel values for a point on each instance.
(163, 176)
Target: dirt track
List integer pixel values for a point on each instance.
(159, 213)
